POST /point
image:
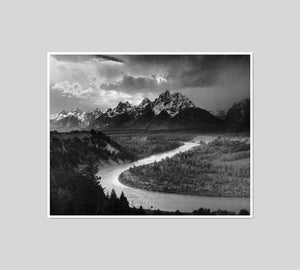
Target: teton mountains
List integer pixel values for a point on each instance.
(168, 111)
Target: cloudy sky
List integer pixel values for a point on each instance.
(87, 82)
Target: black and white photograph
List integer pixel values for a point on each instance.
(150, 135)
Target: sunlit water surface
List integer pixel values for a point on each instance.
(166, 201)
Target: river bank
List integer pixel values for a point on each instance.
(220, 168)
(166, 201)
(128, 179)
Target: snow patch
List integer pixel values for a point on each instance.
(111, 149)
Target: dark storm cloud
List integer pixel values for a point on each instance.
(180, 71)
(84, 58)
(110, 71)
(204, 60)
(188, 70)
(210, 81)
(110, 58)
(153, 59)
(203, 71)
(132, 84)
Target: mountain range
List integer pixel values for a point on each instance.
(167, 111)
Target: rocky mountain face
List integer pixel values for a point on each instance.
(238, 116)
(73, 120)
(171, 103)
(221, 114)
(167, 111)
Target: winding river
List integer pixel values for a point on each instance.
(166, 201)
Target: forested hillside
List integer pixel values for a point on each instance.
(78, 148)
(74, 187)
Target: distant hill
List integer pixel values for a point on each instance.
(238, 116)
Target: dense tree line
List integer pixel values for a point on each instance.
(203, 212)
(220, 168)
(140, 147)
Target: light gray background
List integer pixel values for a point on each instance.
(31, 28)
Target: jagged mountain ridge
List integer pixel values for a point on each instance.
(75, 119)
(167, 111)
(123, 115)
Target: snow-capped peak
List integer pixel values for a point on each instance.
(145, 102)
(76, 111)
(53, 116)
(61, 115)
(164, 96)
(171, 103)
(123, 107)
